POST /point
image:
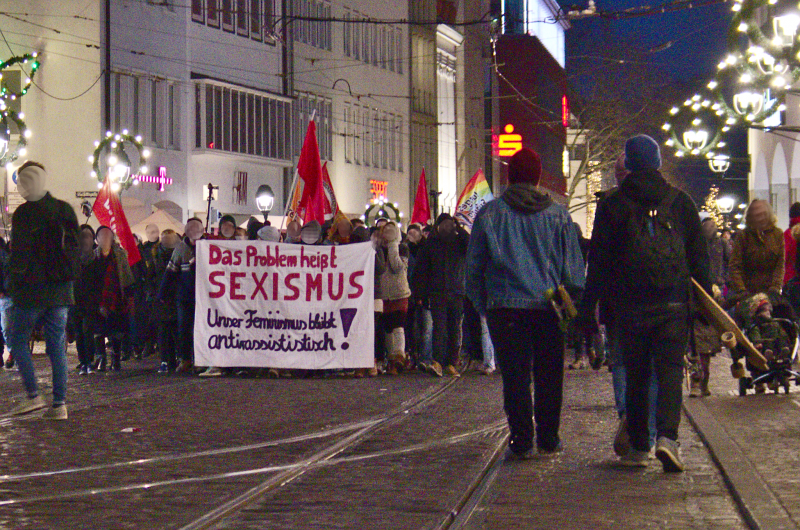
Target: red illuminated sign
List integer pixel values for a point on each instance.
(159, 180)
(378, 189)
(565, 111)
(509, 143)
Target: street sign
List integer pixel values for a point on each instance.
(86, 194)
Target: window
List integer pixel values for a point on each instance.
(305, 106)
(346, 33)
(390, 49)
(357, 135)
(399, 37)
(242, 18)
(228, 15)
(241, 121)
(376, 155)
(212, 11)
(357, 40)
(391, 141)
(400, 133)
(345, 132)
(198, 11)
(172, 125)
(116, 83)
(255, 19)
(367, 137)
(366, 39)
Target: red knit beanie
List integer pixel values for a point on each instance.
(525, 166)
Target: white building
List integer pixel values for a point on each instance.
(354, 73)
(202, 84)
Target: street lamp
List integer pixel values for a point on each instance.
(265, 200)
(720, 163)
(726, 204)
(785, 29)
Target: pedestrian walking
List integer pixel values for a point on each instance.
(439, 283)
(5, 301)
(646, 245)
(165, 309)
(180, 279)
(82, 311)
(521, 246)
(395, 292)
(758, 256)
(111, 300)
(42, 267)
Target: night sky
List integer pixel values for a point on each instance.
(698, 42)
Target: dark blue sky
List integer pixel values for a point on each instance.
(699, 41)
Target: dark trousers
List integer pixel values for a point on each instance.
(655, 337)
(525, 341)
(186, 331)
(471, 333)
(167, 342)
(84, 339)
(447, 313)
(380, 339)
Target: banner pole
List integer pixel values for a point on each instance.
(294, 182)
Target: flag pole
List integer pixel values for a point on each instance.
(294, 181)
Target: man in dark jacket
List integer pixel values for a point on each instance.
(652, 310)
(439, 281)
(523, 245)
(43, 267)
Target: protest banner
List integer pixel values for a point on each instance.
(261, 304)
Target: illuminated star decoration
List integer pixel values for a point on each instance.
(117, 161)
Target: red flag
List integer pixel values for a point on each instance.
(422, 209)
(108, 211)
(312, 203)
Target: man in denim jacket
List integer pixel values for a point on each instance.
(522, 245)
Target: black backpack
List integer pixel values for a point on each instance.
(653, 250)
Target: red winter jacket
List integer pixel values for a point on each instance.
(791, 251)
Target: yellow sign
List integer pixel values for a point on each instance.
(509, 143)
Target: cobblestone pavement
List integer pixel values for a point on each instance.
(198, 444)
(585, 488)
(765, 431)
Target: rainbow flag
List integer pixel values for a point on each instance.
(476, 193)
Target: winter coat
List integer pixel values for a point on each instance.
(181, 272)
(165, 309)
(757, 262)
(85, 285)
(394, 280)
(719, 253)
(441, 266)
(606, 279)
(522, 245)
(44, 253)
(95, 275)
(790, 251)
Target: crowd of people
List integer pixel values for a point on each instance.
(444, 296)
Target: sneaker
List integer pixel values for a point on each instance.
(761, 388)
(577, 365)
(273, 373)
(695, 391)
(542, 452)
(669, 453)
(435, 369)
(89, 369)
(486, 370)
(737, 370)
(635, 458)
(211, 371)
(424, 367)
(164, 368)
(704, 390)
(185, 366)
(27, 405)
(9, 364)
(622, 442)
(56, 413)
(84, 370)
(450, 371)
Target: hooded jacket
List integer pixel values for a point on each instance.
(790, 251)
(757, 262)
(605, 277)
(522, 245)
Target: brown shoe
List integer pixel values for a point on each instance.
(373, 372)
(695, 390)
(435, 369)
(185, 366)
(451, 371)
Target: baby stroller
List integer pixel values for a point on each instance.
(779, 342)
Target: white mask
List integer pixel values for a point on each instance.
(31, 183)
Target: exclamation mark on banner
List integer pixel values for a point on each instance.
(348, 315)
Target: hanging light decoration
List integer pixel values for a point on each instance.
(111, 152)
(14, 133)
(719, 163)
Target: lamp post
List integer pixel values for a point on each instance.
(265, 200)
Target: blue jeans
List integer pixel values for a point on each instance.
(486, 344)
(5, 303)
(620, 379)
(20, 322)
(423, 334)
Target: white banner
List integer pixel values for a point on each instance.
(262, 304)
